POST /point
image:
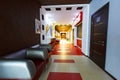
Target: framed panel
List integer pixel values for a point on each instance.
(37, 26)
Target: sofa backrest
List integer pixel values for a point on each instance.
(21, 54)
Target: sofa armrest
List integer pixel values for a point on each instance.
(37, 53)
(17, 69)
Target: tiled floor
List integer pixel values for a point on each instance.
(69, 59)
(67, 49)
(83, 65)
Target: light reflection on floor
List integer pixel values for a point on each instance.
(63, 48)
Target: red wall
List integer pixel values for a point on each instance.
(79, 43)
(17, 24)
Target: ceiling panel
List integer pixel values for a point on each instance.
(63, 28)
(61, 2)
(62, 16)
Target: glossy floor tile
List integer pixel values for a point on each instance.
(66, 49)
(64, 76)
(83, 65)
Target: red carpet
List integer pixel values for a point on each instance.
(63, 61)
(64, 76)
(72, 50)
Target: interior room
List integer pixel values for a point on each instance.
(59, 40)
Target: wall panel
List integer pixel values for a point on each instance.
(17, 29)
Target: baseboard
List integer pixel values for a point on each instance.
(110, 75)
(85, 55)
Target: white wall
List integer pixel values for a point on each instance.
(85, 30)
(75, 36)
(43, 32)
(67, 17)
(113, 38)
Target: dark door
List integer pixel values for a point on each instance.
(99, 24)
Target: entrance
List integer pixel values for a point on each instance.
(99, 36)
(63, 35)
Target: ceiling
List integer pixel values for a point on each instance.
(63, 28)
(63, 16)
(61, 2)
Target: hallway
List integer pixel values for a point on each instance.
(18, 31)
(64, 66)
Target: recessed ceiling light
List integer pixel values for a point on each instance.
(47, 9)
(58, 9)
(79, 8)
(68, 8)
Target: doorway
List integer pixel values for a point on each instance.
(63, 35)
(99, 25)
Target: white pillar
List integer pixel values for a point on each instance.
(75, 36)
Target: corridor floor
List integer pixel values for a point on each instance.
(72, 67)
(87, 69)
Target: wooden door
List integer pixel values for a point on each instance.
(99, 25)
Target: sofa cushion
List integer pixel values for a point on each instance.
(37, 53)
(17, 69)
(40, 65)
